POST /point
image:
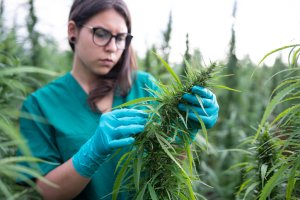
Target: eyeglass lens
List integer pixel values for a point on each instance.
(102, 37)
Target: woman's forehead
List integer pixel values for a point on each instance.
(109, 19)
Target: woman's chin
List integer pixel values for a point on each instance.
(103, 71)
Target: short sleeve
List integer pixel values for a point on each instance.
(39, 135)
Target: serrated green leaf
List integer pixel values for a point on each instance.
(267, 189)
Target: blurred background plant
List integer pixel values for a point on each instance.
(272, 170)
(25, 65)
(253, 150)
(15, 82)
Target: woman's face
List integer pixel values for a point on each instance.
(93, 59)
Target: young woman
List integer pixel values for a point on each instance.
(72, 123)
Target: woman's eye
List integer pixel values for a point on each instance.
(102, 33)
(121, 37)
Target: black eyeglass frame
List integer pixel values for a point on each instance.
(127, 40)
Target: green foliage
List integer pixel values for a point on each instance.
(155, 167)
(293, 55)
(16, 82)
(237, 118)
(14, 86)
(187, 55)
(233, 165)
(166, 48)
(1, 16)
(33, 35)
(277, 143)
(33, 49)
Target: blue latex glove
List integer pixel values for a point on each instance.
(211, 108)
(115, 130)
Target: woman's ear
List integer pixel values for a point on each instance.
(72, 31)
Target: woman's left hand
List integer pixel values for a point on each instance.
(207, 100)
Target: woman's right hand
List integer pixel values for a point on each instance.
(115, 130)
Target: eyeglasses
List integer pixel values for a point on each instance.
(102, 37)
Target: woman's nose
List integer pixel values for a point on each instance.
(112, 46)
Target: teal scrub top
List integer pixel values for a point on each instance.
(62, 122)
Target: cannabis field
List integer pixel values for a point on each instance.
(253, 152)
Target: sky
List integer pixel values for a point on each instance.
(260, 25)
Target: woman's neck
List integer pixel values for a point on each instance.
(85, 79)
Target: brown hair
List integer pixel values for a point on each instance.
(120, 76)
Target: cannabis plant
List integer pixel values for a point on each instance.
(161, 163)
(14, 85)
(274, 170)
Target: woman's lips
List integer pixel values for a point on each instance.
(108, 62)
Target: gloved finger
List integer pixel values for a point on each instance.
(114, 144)
(129, 113)
(126, 131)
(202, 92)
(193, 100)
(132, 120)
(207, 112)
(209, 121)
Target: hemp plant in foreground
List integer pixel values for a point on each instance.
(161, 163)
